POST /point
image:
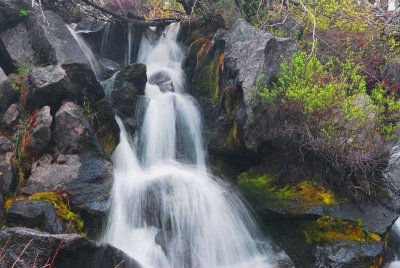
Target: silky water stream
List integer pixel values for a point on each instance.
(167, 209)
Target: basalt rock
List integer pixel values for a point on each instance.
(9, 178)
(108, 67)
(10, 13)
(9, 119)
(73, 133)
(49, 85)
(35, 214)
(38, 132)
(18, 45)
(26, 247)
(7, 93)
(87, 178)
(56, 45)
(129, 86)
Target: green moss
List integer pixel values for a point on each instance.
(327, 229)
(264, 192)
(107, 140)
(63, 212)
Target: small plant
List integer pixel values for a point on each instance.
(24, 12)
(88, 112)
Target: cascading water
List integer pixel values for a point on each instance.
(167, 210)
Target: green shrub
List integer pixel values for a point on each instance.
(325, 109)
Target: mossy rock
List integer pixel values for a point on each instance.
(264, 192)
(59, 201)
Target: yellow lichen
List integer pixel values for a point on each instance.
(63, 212)
(327, 229)
(294, 199)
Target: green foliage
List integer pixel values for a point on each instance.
(88, 112)
(24, 12)
(328, 102)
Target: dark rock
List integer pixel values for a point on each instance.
(7, 93)
(106, 126)
(9, 118)
(10, 13)
(55, 44)
(129, 84)
(73, 133)
(66, 250)
(89, 24)
(195, 28)
(348, 254)
(280, 258)
(18, 45)
(5, 59)
(131, 124)
(49, 86)
(87, 177)
(132, 77)
(162, 80)
(108, 67)
(9, 178)
(39, 131)
(35, 214)
(5, 145)
(159, 78)
(166, 86)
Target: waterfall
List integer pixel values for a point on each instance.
(88, 52)
(128, 49)
(167, 209)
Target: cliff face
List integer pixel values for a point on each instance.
(58, 132)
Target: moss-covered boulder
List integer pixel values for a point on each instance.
(48, 211)
(316, 226)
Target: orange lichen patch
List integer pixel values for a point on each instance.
(377, 262)
(314, 194)
(327, 229)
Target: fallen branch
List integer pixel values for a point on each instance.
(145, 23)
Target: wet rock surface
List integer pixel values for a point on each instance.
(73, 133)
(18, 46)
(35, 214)
(39, 131)
(87, 178)
(10, 13)
(7, 93)
(66, 250)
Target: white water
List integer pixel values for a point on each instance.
(167, 210)
(128, 48)
(88, 52)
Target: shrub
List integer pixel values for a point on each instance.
(325, 112)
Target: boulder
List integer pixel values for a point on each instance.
(55, 44)
(9, 119)
(108, 67)
(5, 145)
(9, 176)
(26, 247)
(18, 45)
(38, 131)
(348, 254)
(73, 133)
(5, 59)
(10, 13)
(315, 226)
(7, 93)
(87, 178)
(132, 77)
(35, 214)
(129, 84)
(106, 126)
(49, 85)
